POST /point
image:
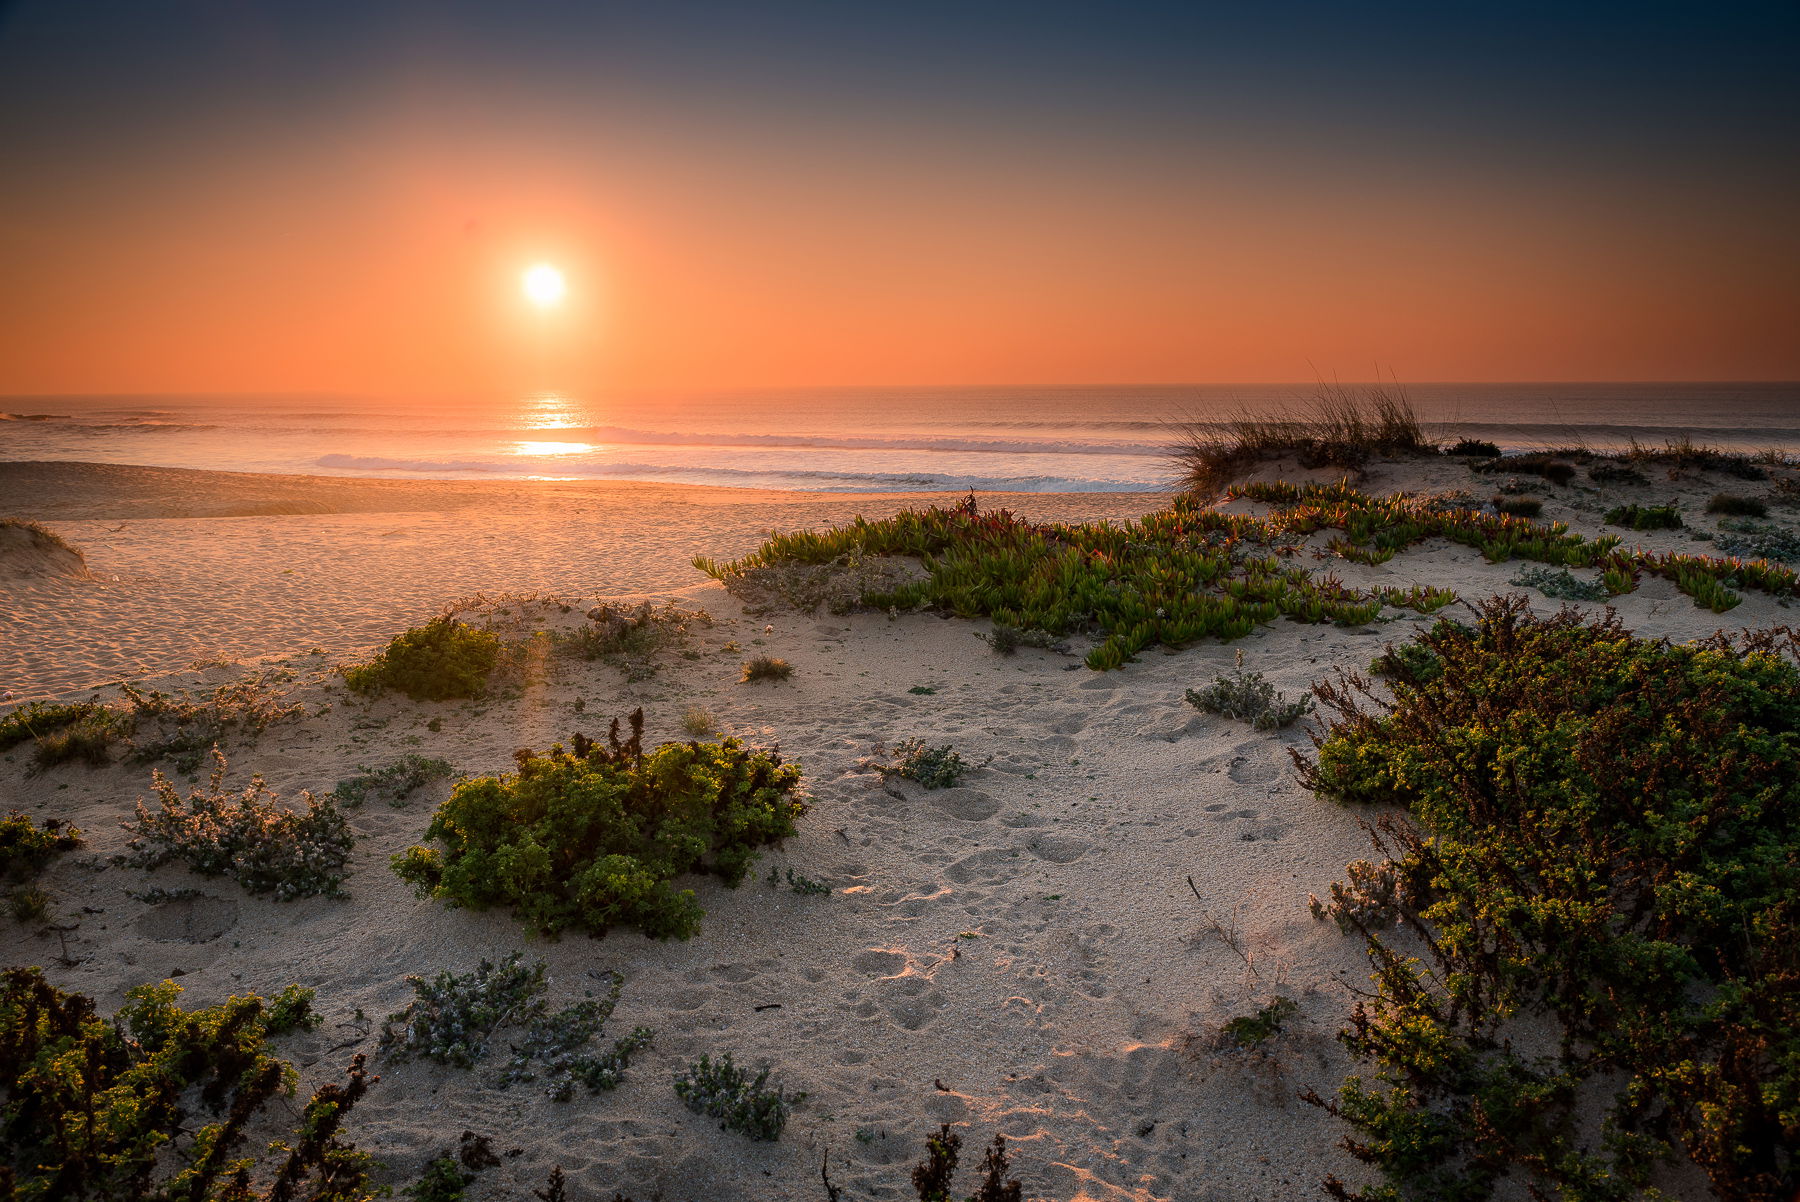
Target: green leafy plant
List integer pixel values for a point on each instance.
(932, 767)
(453, 1018)
(1406, 661)
(439, 661)
(1601, 846)
(1758, 540)
(934, 1176)
(1561, 584)
(247, 836)
(25, 846)
(1644, 517)
(594, 836)
(804, 885)
(743, 1103)
(1247, 697)
(394, 783)
(39, 719)
(1254, 1030)
(157, 1103)
(765, 667)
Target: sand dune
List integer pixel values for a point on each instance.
(1019, 954)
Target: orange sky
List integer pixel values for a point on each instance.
(381, 252)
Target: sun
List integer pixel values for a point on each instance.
(544, 286)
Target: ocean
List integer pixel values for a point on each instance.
(1112, 439)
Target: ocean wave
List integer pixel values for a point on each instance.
(842, 442)
(789, 480)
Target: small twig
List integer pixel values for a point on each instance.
(832, 1192)
(1228, 937)
(769, 1006)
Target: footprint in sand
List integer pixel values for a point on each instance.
(970, 805)
(1059, 849)
(189, 920)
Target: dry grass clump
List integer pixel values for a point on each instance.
(1342, 428)
(40, 536)
(765, 667)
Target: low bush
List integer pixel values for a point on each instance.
(1406, 661)
(454, 1018)
(1744, 507)
(182, 727)
(764, 667)
(741, 1103)
(247, 836)
(1006, 640)
(25, 846)
(1519, 507)
(1607, 472)
(1684, 454)
(394, 783)
(1475, 448)
(1644, 517)
(629, 637)
(932, 767)
(1560, 583)
(1546, 465)
(157, 1102)
(439, 661)
(593, 837)
(1247, 697)
(933, 1177)
(1601, 857)
(698, 722)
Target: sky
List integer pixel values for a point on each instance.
(222, 196)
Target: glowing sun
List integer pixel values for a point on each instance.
(544, 286)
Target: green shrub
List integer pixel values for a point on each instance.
(1604, 473)
(438, 661)
(453, 1019)
(1519, 507)
(394, 783)
(157, 1102)
(1603, 850)
(932, 1177)
(41, 718)
(1406, 661)
(629, 637)
(1747, 507)
(1475, 448)
(1254, 1030)
(932, 767)
(764, 667)
(741, 1103)
(1644, 517)
(1006, 640)
(26, 847)
(1561, 584)
(247, 836)
(593, 838)
(1249, 698)
(1758, 540)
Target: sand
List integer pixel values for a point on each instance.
(1023, 954)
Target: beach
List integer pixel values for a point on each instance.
(1047, 950)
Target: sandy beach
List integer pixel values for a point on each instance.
(1021, 954)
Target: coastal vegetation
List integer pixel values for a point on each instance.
(938, 767)
(248, 836)
(1601, 843)
(744, 1103)
(594, 836)
(454, 1018)
(1247, 697)
(158, 1102)
(439, 661)
(1340, 428)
